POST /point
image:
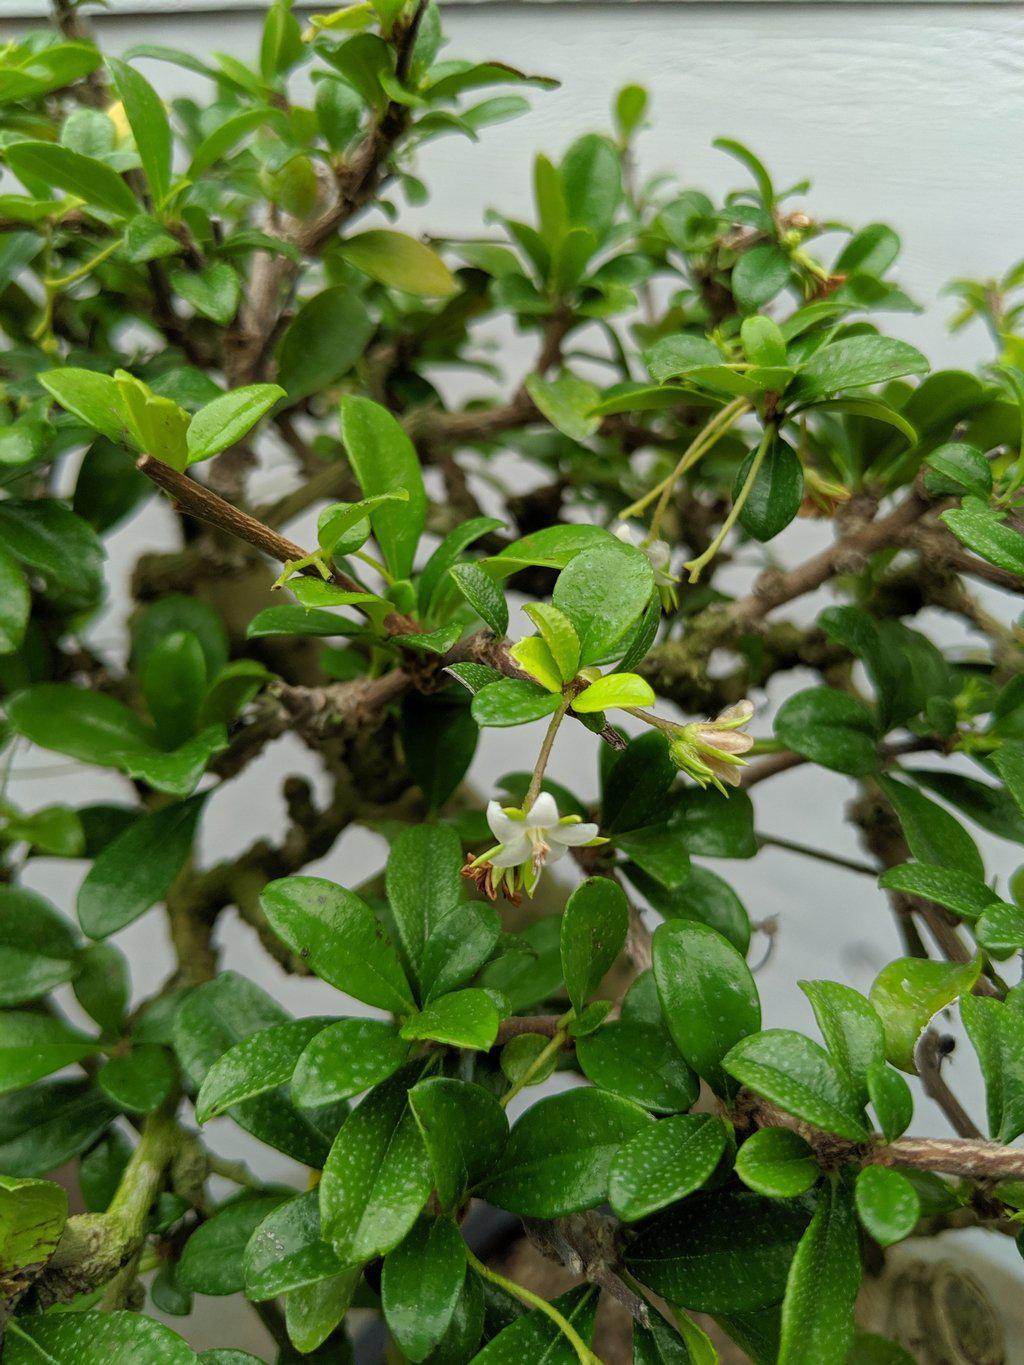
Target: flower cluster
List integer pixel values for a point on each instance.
(527, 841)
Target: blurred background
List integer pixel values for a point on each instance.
(906, 113)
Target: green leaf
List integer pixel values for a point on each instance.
(777, 1162)
(760, 274)
(887, 1204)
(831, 728)
(801, 1078)
(873, 408)
(638, 1061)
(851, 1029)
(15, 603)
(934, 836)
(46, 1125)
(83, 176)
(439, 739)
(999, 929)
(664, 1163)
(980, 529)
(432, 580)
(891, 1100)
(136, 869)
(466, 1019)
(763, 343)
(214, 291)
(711, 825)
(400, 262)
(967, 896)
(102, 986)
(674, 356)
(483, 595)
(420, 1285)
(385, 461)
(614, 689)
(776, 493)
(313, 1311)
(95, 728)
(908, 993)
(323, 341)
(512, 701)
(636, 785)
(93, 1339)
(604, 592)
(707, 994)
(263, 1061)
(534, 1337)
(423, 883)
(460, 943)
(721, 1252)
(286, 1251)
(377, 1176)
(210, 1020)
(340, 937)
(344, 1059)
(567, 402)
(996, 1031)
(295, 621)
(211, 1261)
(958, 468)
(227, 419)
(464, 1130)
(594, 927)
(559, 1154)
(559, 635)
(34, 1045)
(32, 1218)
(991, 807)
(817, 1311)
(58, 546)
(173, 684)
(553, 547)
(139, 1080)
(151, 130)
(855, 362)
(92, 397)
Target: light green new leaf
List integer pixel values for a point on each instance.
(341, 939)
(93, 398)
(227, 419)
(151, 130)
(400, 262)
(908, 992)
(567, 402)
(385, 461)
(614, 689)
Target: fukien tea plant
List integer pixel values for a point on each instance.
(204, 301)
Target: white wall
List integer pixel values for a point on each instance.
(912, 114)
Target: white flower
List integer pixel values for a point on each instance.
(658, 552)
(527, 841)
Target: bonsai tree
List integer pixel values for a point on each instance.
(192, 292)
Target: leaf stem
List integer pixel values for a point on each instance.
(533, 791)
(696, 565)
(552, 1048)
(583, 1351)
(715, 428)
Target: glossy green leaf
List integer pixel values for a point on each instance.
(908, 993)
(887, 1204)
(603, 592)
(211, 1261)
(934, 836)
(467, 1018)
(344, 1059)
(854, 363)
(567, 401)
(851, 1029)
(996, 1031)
(340, 937)
(594, 927)
(615, 689)
(263, 1061)
(559, 1153)
(377, 1176)
(323, 341)
(140, 1080)
(385, 461)
(148, 121)
(286, 1250)
(817, 1311)
(707, 994)
(664, 1163)
(400, 262)
(638, 1061)
(227, 419)
(136, 869)
(32, 1218)
(512, 701)
(421, 1282)
(777, 1162)
(536, 1338)
(967, 896)
(83, 176)
(891, 1100)
(93, 1338)
(801, 1078)
(464, 1130)
(34, 1045)
(483, 595)
(831, 728)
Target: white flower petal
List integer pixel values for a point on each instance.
(573, 836)
(513, 853)
(543, 812)
(555, 851)
(503, 827)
